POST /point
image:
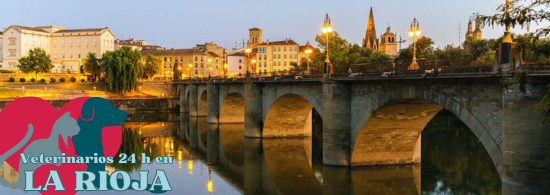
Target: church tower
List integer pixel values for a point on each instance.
(388, 44)
(470, 32)
(255, 36)
(370, 40)
(478, 34)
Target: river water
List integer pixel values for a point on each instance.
(217, 159)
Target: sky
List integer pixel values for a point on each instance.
(184, 23)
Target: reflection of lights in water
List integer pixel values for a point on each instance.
(179, 159)
(210, 184)
(190, 166)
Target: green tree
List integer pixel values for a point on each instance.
(36, 62)
(477, 48)
(337, 46)
(152, 65)
(424, 49)
(92, 65)
(122, 68)
(522, 13)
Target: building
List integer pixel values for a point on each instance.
(132, 43)
(211, 47)
(197, 58)
(255, 36)
(388, 43)
(236, 64)
(371, 39)
(476, 34)
(66, 47)
(275, 56)
(302, 53)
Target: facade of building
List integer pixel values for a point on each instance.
(302, 53)
(197, 58)
(275, 56)
(236, 63)
(388, 43)
(476, 34)
(371, 39)
(132, 43)
(1, 50)
(66, 47)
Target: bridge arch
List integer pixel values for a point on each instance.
(408, 110)
(232, 108)
(288, 116)
(203, 103)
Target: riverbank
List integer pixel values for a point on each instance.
(150, 105)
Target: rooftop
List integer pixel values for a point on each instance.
(29, 28)
(286, 42)
(81, 30)
(172, 52)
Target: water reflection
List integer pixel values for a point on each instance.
(218, 159)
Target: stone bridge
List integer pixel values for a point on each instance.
(379, 121)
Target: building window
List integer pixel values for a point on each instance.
(265, 56)
(278, 63)
(259, 57)
(164, 65)
(196, 58)
(279, 56)
(165, 60)
(240, 67)
(181, 59)
(278, 48)
(170, 65)
(284, 48)
(295, 55)
(274, 56)
(196, 72)
(265, 64)
(240, 61)
(202, 65)
(284, 56)
(284, 63)
(202, 58)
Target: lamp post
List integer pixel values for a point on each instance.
(414, 32)
(253, 66)
(327, 29)
(308, 51)
(180, 73)
(209, 68)
(190, 71)
(507, 35)
(225, 70)
(247, 50)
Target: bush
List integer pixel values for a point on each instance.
(33, 80)
(62, 80)
(52, 80)
(12, 79)
(82, 80)
(43, 80)
(73, 79)
(22, 80)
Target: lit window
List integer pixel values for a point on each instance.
(284, 48)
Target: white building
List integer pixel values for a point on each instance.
(236, 64)
(66, 47)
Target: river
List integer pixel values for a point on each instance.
(217, 159)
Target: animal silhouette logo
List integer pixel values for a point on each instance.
(34, 127)
(64, 127)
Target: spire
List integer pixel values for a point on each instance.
(371, 40)
(478, 26)
(470, 29)
(327, 20)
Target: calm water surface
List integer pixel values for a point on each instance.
(453, 161)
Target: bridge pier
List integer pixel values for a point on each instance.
(336, 124)
(213, 114)
(184, 105)
(526, 148)
(253, 110)
(213, 144)
(193, 100)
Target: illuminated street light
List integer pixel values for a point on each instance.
(327, 29)
(247, 50)
(308, 51)
(414, 32)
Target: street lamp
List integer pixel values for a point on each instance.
(507, 35)
(414, 32)
(253, 66)
(210, 67)
(327, 29)
(225, 70)
(308, 51)
(247, 50)
(190, 69)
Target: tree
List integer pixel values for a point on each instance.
(521, 14)
(36, 62)
(92, 65)
(152, 65)
(122, 67)
(476, 48)
(338, 49)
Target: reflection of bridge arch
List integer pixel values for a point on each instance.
(232, 108)
(289, 166)
(203, 103)
(400, 115)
